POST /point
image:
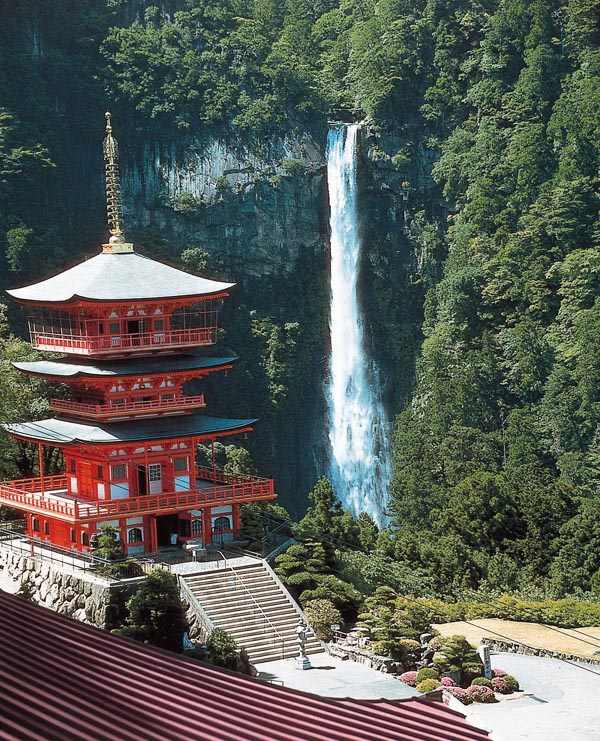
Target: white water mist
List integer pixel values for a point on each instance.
(360, 468)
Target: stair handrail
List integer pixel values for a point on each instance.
(193, 601)
(264, 614)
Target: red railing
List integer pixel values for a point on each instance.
(128, 407)
(27, 495)
(87, 345)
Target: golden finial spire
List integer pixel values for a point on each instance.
(114, 208)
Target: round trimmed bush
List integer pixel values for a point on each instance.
(499, 672)
(512, 682)
(461, 695)
(428, 685)
(481, 693)
(427, 673)
(500, 685)
(448, 682)
(409, 678)
(481, 682)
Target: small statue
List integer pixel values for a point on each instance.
(302, 633)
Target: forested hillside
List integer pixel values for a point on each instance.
(482, 300)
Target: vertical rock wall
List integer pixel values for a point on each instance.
(82, 597)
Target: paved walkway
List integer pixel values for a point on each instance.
(584, 642)
(564, 706)
(332, 677)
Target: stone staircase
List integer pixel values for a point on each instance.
(252, 605)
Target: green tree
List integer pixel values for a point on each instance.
(156, 613)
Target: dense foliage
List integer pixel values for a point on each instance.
(155, 612)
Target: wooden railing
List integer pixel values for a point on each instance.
(88, 345)
(127, 408)
(27, 495)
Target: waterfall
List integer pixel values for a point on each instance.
(360, 468)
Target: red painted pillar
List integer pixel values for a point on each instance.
(41, 465)
(152, 534)
(206, 527)
(235, 516)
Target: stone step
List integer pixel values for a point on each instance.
(214, 594)
(233, 616)
(243, 601)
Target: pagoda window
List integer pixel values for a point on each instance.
(221, 524)
(35, 525)
(114, 327)
(46, 528)
(182, 477)
(159, 325)
(85, 539)
(73, 466)
(100, 473)
(72, 537)
(118, 472)
(119, 486)
(135, 535)
(197, 527)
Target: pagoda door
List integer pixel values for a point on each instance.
(155, 478)
(86, 485)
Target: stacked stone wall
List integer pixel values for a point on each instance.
(79, 595)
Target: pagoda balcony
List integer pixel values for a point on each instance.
(49, 497)
(128, 408)
(56, 341)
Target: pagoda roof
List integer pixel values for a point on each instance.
(126, 276)
(65, 432)
(133, 367)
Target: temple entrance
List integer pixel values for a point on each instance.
(166, 526)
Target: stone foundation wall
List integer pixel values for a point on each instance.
(84, 597)
(497, 646)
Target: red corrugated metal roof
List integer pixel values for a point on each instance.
(60, 679)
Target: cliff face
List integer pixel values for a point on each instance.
(254, 213)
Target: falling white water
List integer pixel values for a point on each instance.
(360, 469)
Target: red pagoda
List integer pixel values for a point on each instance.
(132, 333)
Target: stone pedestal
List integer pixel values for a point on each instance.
(303, 662)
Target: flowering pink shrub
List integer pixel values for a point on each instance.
(448, 682)
(461, 695)
(480, 693)
(499, 673)
(409, 678)
(500, 685)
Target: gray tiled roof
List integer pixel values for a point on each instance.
(60, 431)
(119, 276)
(139, 366)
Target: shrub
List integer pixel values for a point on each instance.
(321, 615)
(500, 685)
(480, 693)
(481, 682)
(428, 685)
(408, 650)
(427, 673)
(457, 655)
(512, 682)
(293, 167)
(409, 678)
(222, 649)
(448, 682)
(499, 672)
(461, 694)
